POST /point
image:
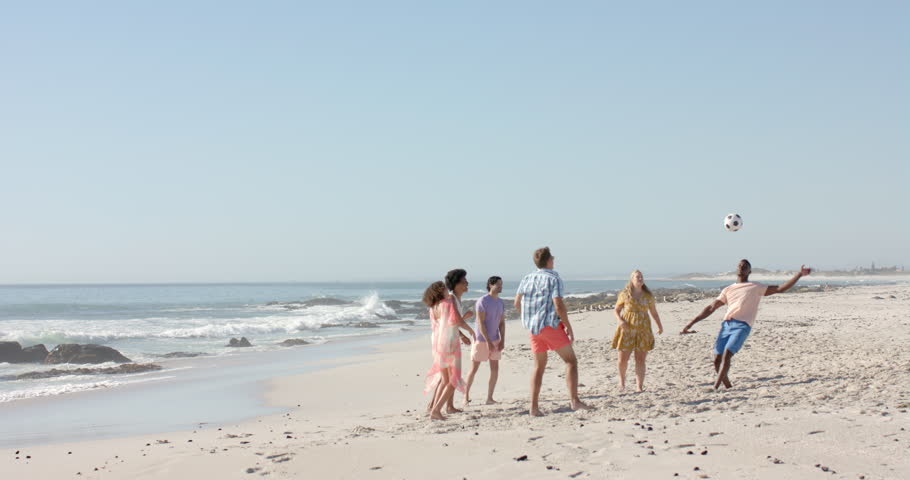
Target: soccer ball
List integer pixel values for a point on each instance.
(733, 222)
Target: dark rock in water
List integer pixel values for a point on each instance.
(364, 325)
(243, 342)
(326, 302)
(119, 369)
(34, 354)
(75, 353)
(181, 355)
(12, 352)
(309, 303)
(293, 342)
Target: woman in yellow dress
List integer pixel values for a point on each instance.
(633, 334)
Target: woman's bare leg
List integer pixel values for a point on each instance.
(445, 389)
(640, 357)
(623, 365)
(467, 388)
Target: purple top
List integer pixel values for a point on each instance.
(493, 309)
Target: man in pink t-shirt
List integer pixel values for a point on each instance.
(742, 299)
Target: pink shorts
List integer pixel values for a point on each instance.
(550, 339)
(480, 352)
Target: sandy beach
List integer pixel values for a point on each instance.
(821, 390)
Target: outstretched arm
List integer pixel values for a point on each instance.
(772, 289)
(701, 316)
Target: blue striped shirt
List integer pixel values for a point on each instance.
(538, 290)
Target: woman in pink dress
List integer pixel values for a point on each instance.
(446, 369)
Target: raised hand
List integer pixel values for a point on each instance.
(804, 271)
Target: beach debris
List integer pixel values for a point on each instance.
(576, 474)
(253, 469)
(243, 342)
(280, 457)
(535, 438)
(522, 458)
(376, 468)
(813, 432)
(162, 442)
(361, 430)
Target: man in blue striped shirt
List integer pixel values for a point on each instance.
(543, 313)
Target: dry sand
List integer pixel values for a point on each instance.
(821, 390)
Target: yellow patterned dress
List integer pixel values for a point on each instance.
(638, 335)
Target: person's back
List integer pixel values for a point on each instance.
(537, 290)
(543, 313)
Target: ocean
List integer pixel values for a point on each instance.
(219, 383)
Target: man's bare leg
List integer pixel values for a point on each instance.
(723, 367)
(494, 375)
(567, 354)
(467, 389)
(540, 364)
(640, 357)
(622, 363)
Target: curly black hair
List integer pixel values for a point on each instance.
(492, 281)
(454, 277)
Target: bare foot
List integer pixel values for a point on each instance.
(640, 389)
(490, 401)
(622, 387)
(453, 410)
(466, 400)
(437, 416)
(535, 412)
(579, 405)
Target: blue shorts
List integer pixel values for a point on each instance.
(732, 336)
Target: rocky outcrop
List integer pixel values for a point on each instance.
(180, 355)
(56, 372)
(34, 354)
(75, 353)
(293, 342)
(243, 342)
(12, 352)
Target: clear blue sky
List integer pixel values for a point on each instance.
(272, 141)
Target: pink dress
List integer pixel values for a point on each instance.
(446, 346)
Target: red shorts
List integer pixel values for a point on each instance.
(550, 339)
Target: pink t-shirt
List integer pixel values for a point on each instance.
(742, 300)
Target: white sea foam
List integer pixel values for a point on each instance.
(46, 390)
(369, 309)
(581, 295)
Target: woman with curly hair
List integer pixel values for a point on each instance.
(633, 334)
(446, 370)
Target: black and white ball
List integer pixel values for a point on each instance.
(733, 222)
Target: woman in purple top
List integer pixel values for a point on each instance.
(489, 340)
